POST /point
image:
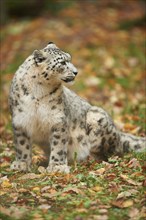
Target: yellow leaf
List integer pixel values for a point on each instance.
(91, 191)
(82, 210)
(6, 184)
(100, 171)
(109, 62)
(2, 193)
(97, 188)
(41, 169)
(36, 189)
(5, 164)
(127, 203)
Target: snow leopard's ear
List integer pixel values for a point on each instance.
(51, 45)
(39, 57)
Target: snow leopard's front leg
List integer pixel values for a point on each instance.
(23, 150)
(58, 156)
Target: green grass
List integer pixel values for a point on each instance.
(73, 204)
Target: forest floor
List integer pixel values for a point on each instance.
(107, 45)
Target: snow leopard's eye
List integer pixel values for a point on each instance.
(63, 62)
(41, 59)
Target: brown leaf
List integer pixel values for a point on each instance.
(13, 212)
(133, 163)
(111, 176)
(46, 188)
(137, 174)
(123, 194)
(30, 176)
(130, 181)
(133, 213)
(144, 183)
(97, 172)
(113, 187)
(72, 190)
(117, 203)
(52, 193)
(120, 203)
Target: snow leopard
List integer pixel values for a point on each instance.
(46, 112)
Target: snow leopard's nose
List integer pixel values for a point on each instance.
(75, 72)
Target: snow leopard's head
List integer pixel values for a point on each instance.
(54, 64)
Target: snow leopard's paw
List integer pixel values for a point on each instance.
(58, 168)
(20, 166)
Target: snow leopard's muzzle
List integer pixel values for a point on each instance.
(70, 78)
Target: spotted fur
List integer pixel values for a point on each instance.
(46, 112)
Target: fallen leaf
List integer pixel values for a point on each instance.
(44, 207)
(5, 164)
(6, 184)
(111, 176)
(14, 212)
(133, 163)
(41, 169)
(100, 217)
(102, 211)
(137, 174)
(127, 203)
(144, 183)
(113, 187)
(129, 127)
(133, 61)
(120, 203)
(72, 190)
(36, 189)
(97, 188)
(109, 62)
(38, 216)
(123, 195)
(30, 176)
(46, 188)
(100, 171)
(97, 172)
(130, 181)
(133, 213)
(51, 194)
(2, 193)
(4, 178)
(82, 210)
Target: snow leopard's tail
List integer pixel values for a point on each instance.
(132, 143)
